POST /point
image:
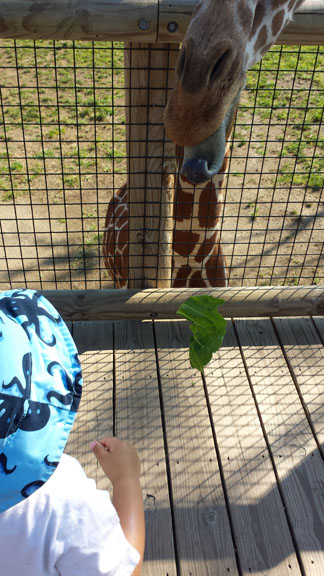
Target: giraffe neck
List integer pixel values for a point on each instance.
(198, 255)
(270, 18)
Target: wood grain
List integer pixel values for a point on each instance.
(150, 180)
(120, 20)
(138, 420)
(297, 460)
(305, 355)
(251, 485)
(79, 19)
(140, 304)
(203, 534)
(94, 419)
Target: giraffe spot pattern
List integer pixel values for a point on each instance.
(185, 241)
(278, 22)
(261, 39)
(205, 248)
(277, 3)
(215, 267)
(196, 280)
(259, 15)
(245, 16)
(181, 276)
(209, 209)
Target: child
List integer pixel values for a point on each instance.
(53, 520)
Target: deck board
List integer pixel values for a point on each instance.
(203, 535)
(304, 351)
(232, 472)
(298, 463)
(254, 498)
(94, 341)
(138, 420)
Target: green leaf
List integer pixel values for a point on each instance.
(208, 328)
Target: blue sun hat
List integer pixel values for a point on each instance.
(40, 391)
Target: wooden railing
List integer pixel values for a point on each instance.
(163, 304)
(130, 20)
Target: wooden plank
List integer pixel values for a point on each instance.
(95, 415)
(140, 304)
(138, 420)
(80, 19)
(203, 535)
(121, 20)
(262, 534)
(298, 462)
(150, 182)
(305, 354)
(319, 323)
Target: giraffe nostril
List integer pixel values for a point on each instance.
(221, 66)
(197, 170)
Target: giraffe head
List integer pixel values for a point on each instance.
(224, 39)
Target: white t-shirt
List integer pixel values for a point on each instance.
(68, 527)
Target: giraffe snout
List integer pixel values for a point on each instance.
(197, 171)
(203, 161)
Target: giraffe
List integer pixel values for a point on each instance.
(198, 257)
(224, 39)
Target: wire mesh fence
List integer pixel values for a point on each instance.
(64, 153)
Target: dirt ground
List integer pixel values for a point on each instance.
(63, 153)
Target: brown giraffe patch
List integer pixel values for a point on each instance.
(184, 242)
(181, 277)
(209, 209)
(245, 16)
(197, 281)
(205, 248)
(215, 269)
(266, 48)
(123, 237)
(277, 3)
(183, 204)
(258, 18)
(277, 22)
(292, 4)
(262, 39)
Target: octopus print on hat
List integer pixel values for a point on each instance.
(40, 391)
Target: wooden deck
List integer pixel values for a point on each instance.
(232, 466)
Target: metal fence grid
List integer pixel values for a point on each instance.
(63, 153)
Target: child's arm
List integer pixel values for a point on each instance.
(120, 463)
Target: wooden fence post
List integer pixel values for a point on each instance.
(149, 68)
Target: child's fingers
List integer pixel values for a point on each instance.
(98, 449)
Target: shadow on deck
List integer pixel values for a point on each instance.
(232, 463)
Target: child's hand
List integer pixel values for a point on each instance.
(120, 463)
(119, 460)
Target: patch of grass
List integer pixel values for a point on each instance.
(255, 210)
(71, 180)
